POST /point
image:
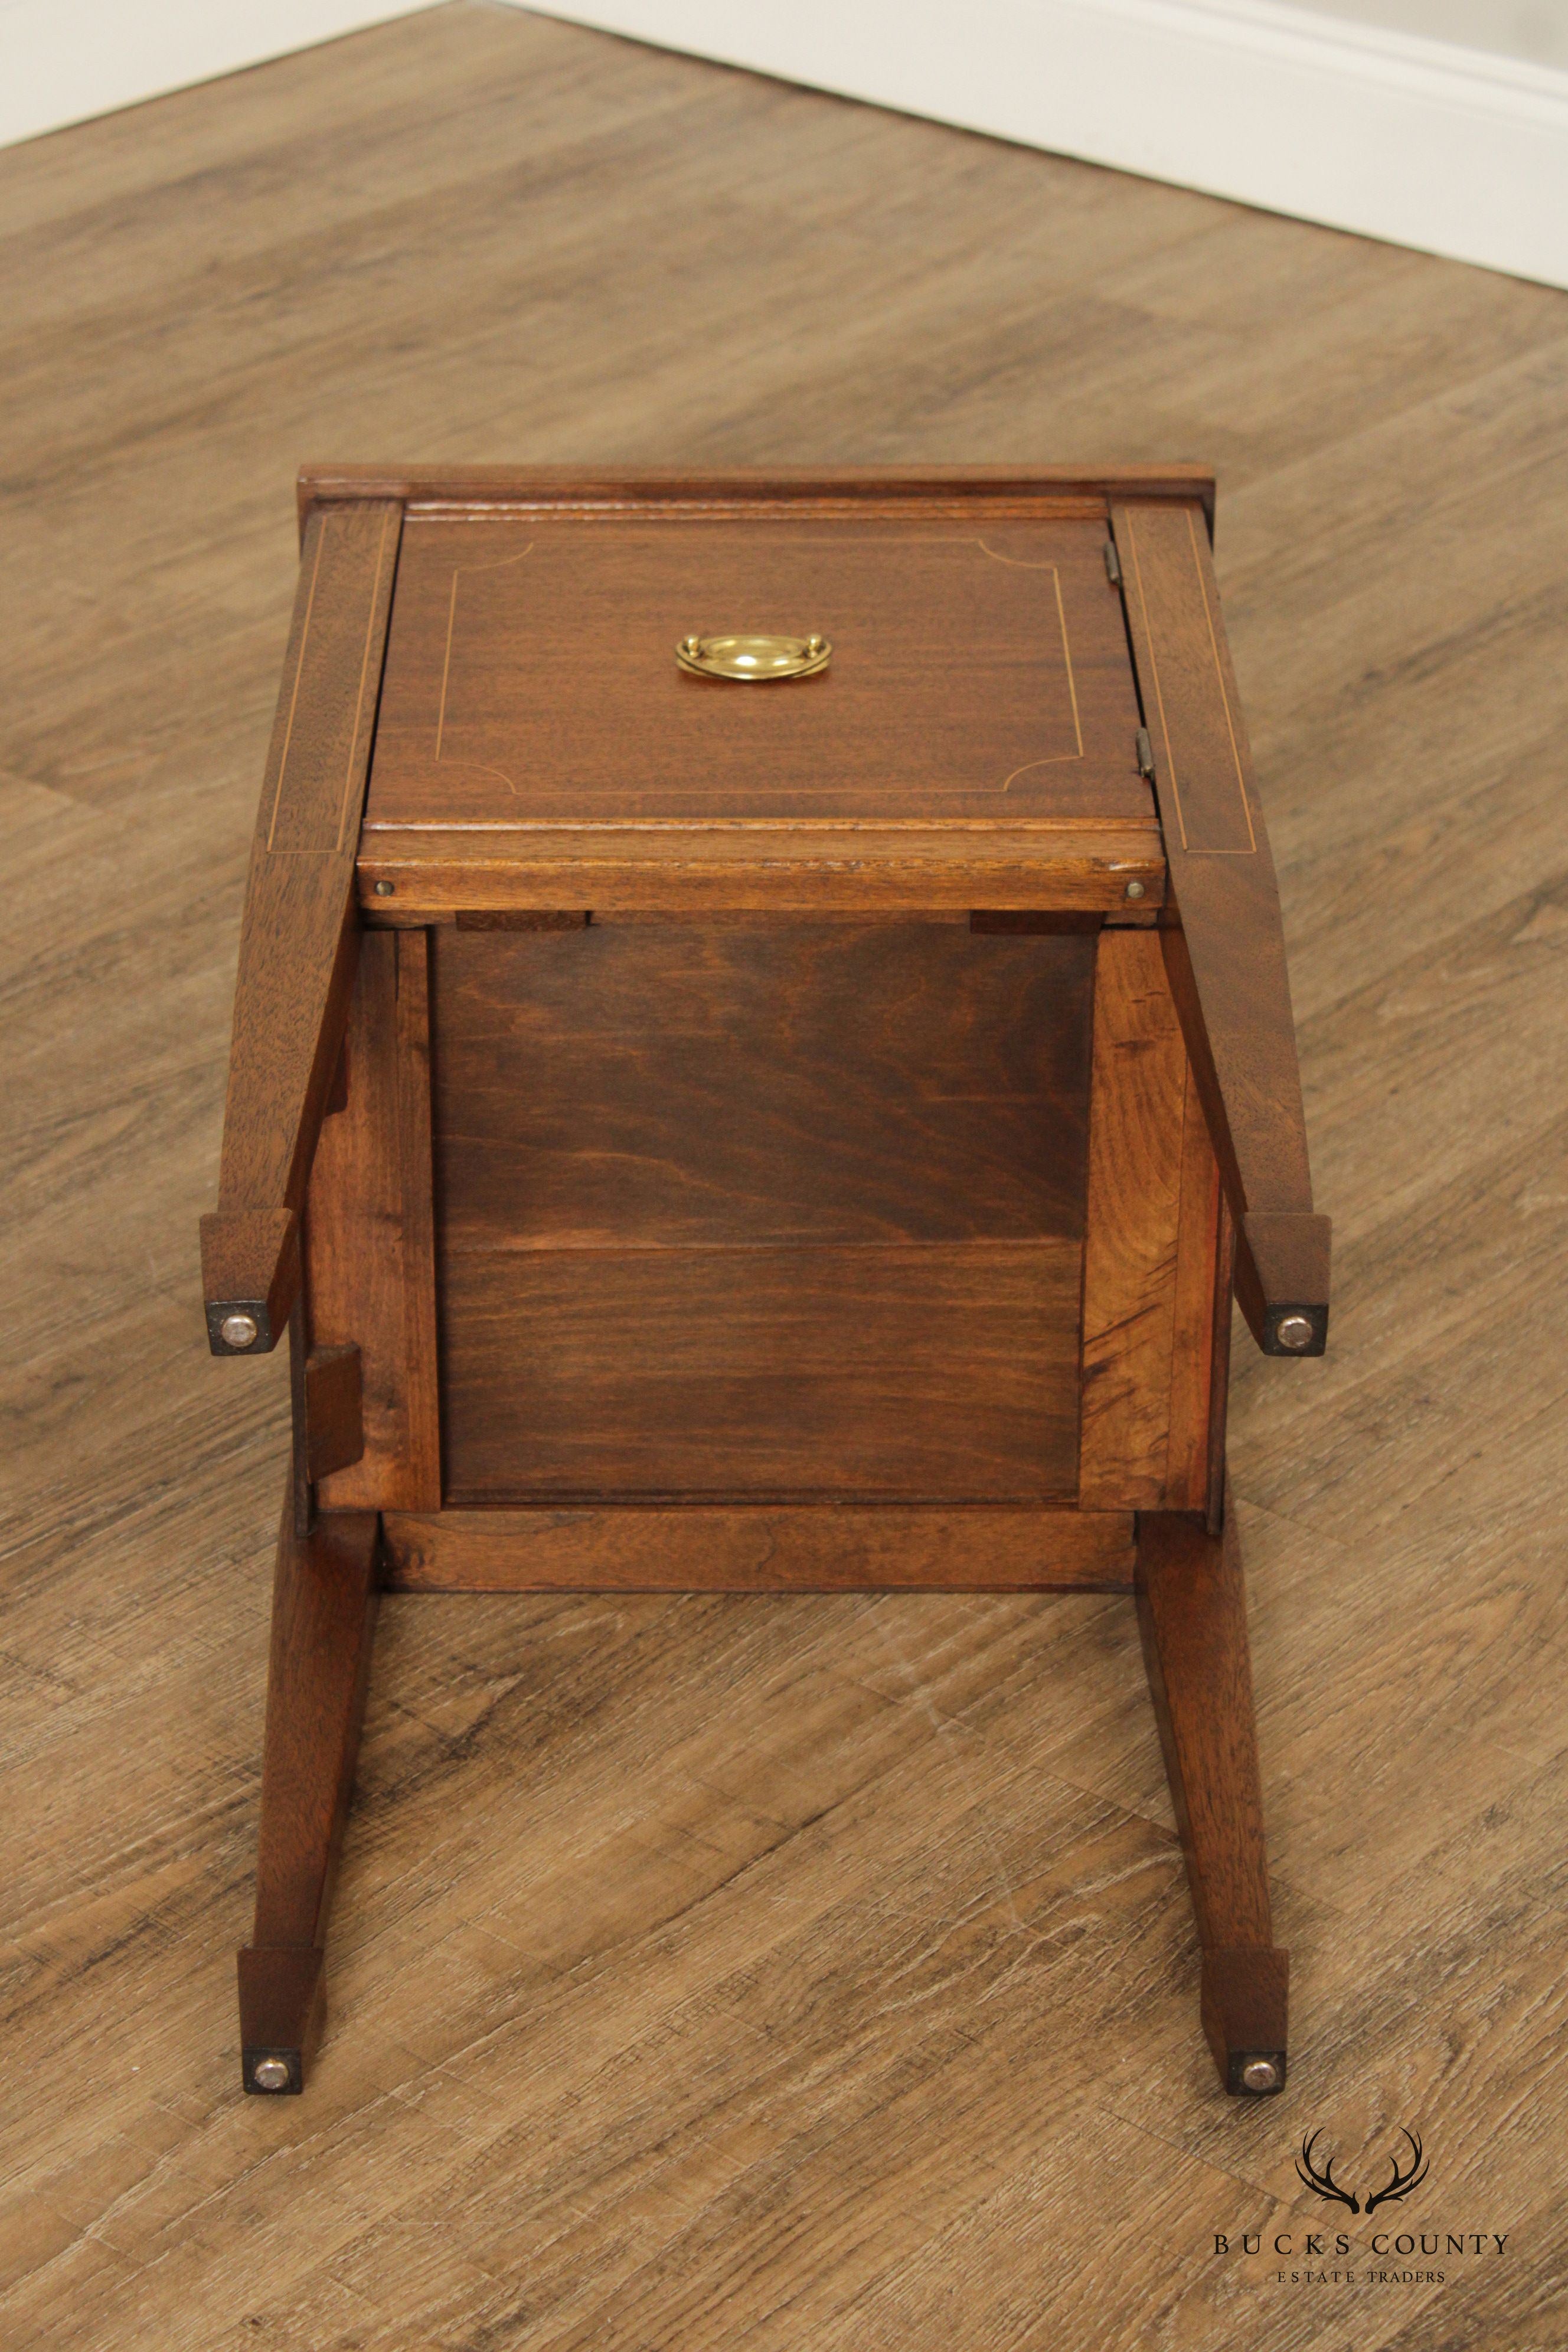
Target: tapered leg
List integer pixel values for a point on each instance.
(324, 1610)
(1192, 1612)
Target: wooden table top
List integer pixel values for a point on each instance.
(977, 720)
(978, 671)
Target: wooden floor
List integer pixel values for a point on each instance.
(806, 1973)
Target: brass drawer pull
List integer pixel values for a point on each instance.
(753, 660)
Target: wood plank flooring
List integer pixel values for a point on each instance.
(809, 1972)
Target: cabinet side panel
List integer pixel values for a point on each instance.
(851, 1371)
(1194, 1371)
(1149, 1253)
(368, 1236)
(761, 1208)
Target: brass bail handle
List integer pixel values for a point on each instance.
(753, 660)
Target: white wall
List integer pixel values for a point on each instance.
(1291, 108)
(63, 60)
(1533, 29)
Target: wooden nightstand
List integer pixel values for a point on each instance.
(761, 1047)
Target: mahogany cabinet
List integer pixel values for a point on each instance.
(762, 1050)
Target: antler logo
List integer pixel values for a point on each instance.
(1401, 2183)
(1323, 2183)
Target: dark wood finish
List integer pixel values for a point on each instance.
(251, 1266)
(761, 1208)
(323, 1612)
(338, 1092)
(1133, 1219)
(1245, 2007)
(758, 1195)
(973, 741)
(1001, 922)
(298, 937)
(282, 2013)
(1219, 1366)
(370, 1233)
(326, 1398)
(979, 672)
(795, 1548)
(334, 1417)
(1191, 1615)
(614, 492)
(301, 1491)
(519, 918)
(947, 1370)
(1200, 1279)
(1223, 938)
(763, 1203)
(421, 1482)
(674, 1083)
(412, 877)
(1151, 1266)
(1282, 1268)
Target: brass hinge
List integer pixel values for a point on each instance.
(1112, 563)
(1145, 753)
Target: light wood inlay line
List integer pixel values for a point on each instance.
(298, 673)
(1224, 693)
(459, 570)
(347, 802)
(1169, 771)
(347, 806)
(1155, 673)
(723, 789)
(1053, 759)
(1067, 656)
(446, 663)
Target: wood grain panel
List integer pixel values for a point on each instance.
(1134, 1215)
(1149, 1253)
(835, 1547)
(759, 492)
(322, 739)
(325, 1593)
(1189, 692)
(1200, 1304)
(979, 668)
(681, 1082)
(334, 1411)
(298, 939)
(942, 1370)
(421, 1476)
(761, 1208)
(424, 875)
(369, 1234)
(1223, 940)
(325, 1602)
(1192, 1613)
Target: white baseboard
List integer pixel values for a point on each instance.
(1452, 151)
(64, 60)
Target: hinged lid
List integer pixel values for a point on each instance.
(534, 676)
(943, 709)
